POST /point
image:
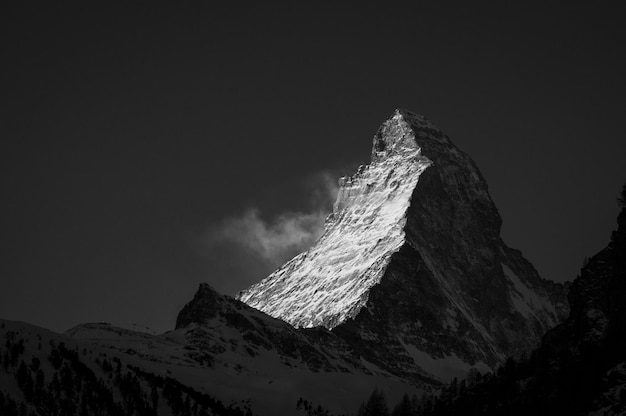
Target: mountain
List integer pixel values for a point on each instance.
(97, 369)
(267, 358)
(409, 287)
(411, 270)
(224, 358)
(579, 367)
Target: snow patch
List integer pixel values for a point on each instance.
(525, 300)
(446, 368)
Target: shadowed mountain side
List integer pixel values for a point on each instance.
(210, 317)
(411, 269)
(580, 366)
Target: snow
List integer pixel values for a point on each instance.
(330, 282)
(445, 368)
(527, 302)
(264, 382)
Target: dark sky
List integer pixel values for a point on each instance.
(135, 138)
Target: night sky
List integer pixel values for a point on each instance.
(147, 148)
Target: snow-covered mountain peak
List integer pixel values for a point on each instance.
(412, 264)
(329, 283)
(397, 135)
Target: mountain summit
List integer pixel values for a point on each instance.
(411, 264)
(330, 283)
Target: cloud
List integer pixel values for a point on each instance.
(274, 240)
(277, 239)
(325, 186)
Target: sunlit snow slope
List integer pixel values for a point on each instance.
(330, 282)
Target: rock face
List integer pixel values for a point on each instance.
(330, 283)
(411, 269)
(217, 324)
(591, 343)
(268, 364)
(597, 297)
(580, 366)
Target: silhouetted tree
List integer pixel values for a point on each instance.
(471, 376)
(376, 405)
(404, 408)
(154, 397)
(34, 364)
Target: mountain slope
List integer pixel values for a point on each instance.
(410, 285)
(269, 357)
(44, 373)
(580, 366)
(212, 368)
(411, 269)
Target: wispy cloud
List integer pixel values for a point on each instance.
(278, 238)
(275, 239)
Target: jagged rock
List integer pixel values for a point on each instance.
(206, 304)
(597, 298)
(580, 366)
(411, 269)
(217, 324)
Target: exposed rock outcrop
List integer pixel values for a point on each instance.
(411, 269)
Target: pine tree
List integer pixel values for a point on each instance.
(154, 396)
(21, 374)
(404, 408)
(377, 404)
(472, 374)
(35, 363)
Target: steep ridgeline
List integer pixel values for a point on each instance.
(580, 366)
(225, 327)
(268, 364)
(411, 270)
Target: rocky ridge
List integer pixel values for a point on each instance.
(411, 269)
(579, 367)
(217, 324)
